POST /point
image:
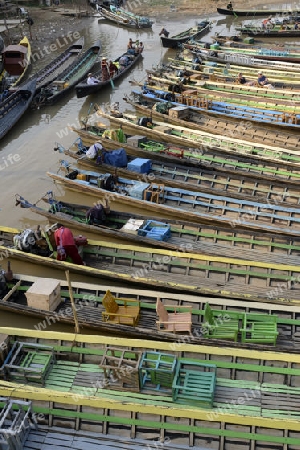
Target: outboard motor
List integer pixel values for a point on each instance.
(25, 241)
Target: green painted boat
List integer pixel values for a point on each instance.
(185, 136)
(186, 397)
(286, 167)
(275, 280)
(133, 228)
(25, 295)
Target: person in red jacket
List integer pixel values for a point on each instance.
(66, 246)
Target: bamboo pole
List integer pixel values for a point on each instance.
(77, 329)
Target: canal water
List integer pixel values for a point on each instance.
(26, 152)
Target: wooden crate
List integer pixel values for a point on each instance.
(44, 294)
(179, 112)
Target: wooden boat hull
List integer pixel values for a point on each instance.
(13, 107)
(88, 303)
(184, 136)
(140, 21)
(118, 19)
(16, 63)
(271, 33)
(281, 117)
(255, 12)
(59, 65)
(83, 89)
(285, 168)
(69, 78)
(196, 206)
(208, 239)
(258, 414)
(275, 282)
(191, 33)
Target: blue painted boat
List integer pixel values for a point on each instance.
(217, 108)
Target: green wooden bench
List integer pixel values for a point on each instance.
(194, 383)
(157, 371)
(29, 362)
(224, 326)
(259, 328)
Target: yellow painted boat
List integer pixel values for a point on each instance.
(180, 395)
(16, 62)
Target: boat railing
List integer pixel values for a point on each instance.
(271, 52)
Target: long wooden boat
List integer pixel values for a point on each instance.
(196, 206)
(253, 405)
(276, 74)
(209, 239)
(69, 77)
(270, 114)
(192, 33)
(16, 60)
(166, 163)
(230, 94)
(286, 171)
(257, 12)
(118, 18)
(83, 89)
(280, 94)
(185, 136)
(275, 282)
(276, 32)
(280, 80)
(141, 21)
(89, 308)
(261, 53)
(185, 177)
(58, 65)
(160, 109)
(14, 106)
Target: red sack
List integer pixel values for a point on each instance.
(80, 240)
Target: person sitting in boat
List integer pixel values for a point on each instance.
(97, 214)
(66, 246)
(113, 69)
(130, 44)
(91, 79)
(140, 47)
(262, 80)
(267, 23)
(241, 79)
(130, 47)
(164, 32)
(104, 69)
(197, 61)
(296, 26)
(230, 6)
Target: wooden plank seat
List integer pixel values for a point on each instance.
(127, 314)
(28, 362)
(194, 383)
(176, 322)
(259, 328)
(224, 326)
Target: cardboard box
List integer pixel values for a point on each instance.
(44, 294)
(132, 226)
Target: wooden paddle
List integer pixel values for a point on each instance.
(77, 329)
